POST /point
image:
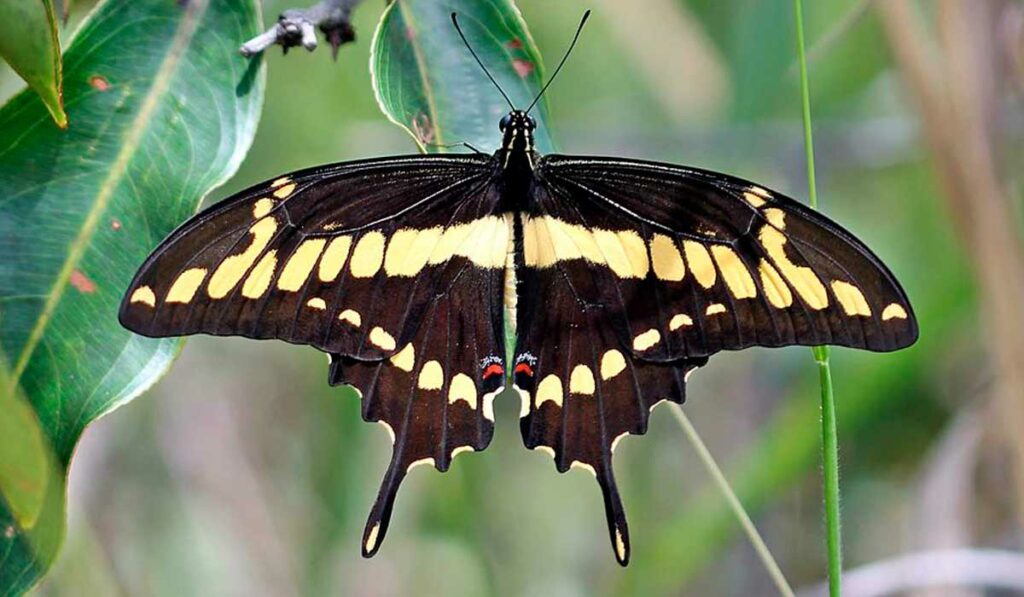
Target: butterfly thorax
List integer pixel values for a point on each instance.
(516, 156)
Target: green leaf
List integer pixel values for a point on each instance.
(163, 110)
(30, 44)
(427, 82)
(25, 464)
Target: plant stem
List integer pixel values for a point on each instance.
(734, 503)
(829, 441)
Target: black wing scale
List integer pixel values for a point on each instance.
(627, 276)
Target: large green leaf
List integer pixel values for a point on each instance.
(30, 44)
(162, 110)
(427, 82)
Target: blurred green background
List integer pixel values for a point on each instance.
(242, 472)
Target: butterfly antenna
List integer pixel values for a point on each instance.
(579, 30)
(455, 21)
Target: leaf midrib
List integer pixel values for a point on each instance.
(132, 139)
(421, 70)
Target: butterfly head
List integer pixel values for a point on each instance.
(517, 127)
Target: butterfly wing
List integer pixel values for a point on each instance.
(394, 267)
(633, 273)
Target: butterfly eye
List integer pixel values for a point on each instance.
(505, 122)
(532, 122)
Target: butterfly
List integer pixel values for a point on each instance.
(616, 277)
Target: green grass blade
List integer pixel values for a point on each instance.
(829, 440)
(734, 503)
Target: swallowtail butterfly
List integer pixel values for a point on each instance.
(618, 278)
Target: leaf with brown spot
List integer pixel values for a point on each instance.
(132, 162)
(82, 282)
(522, 67)
(412, 71)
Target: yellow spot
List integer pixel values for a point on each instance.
(665, 257)
(420, 462)
(612, 363)
(351, 316)
(334, 258)
(583, 467)
(462, 388)
(185, 286)
(462, 449)
(524, 401)
(851, 298)
(775, 288)
(547, 450)
(284, 191)
(582, 380)
(548, 240)
(646, 339)
(262, 207)
(803, 279)
(549, 388)
(624, 252)
(371, 539)
(618, 438)
(679, 320)
(231, 270)
(636, 252)
(776, 217)
(409, 249)
(734, 272)
(753, 199)
(893, 311)
(144, 294)
(431, 376)
(620, 545)
(382, 339)
(316, 303)
(485, 242)
(368, 255)
(576, 242)
(714, 309)
(300, 264)
(388, 428)
(538, 250)
(280, 182)
(488, 403)
(405, 358)
(700, 263)
(759, 191)
(259, 278)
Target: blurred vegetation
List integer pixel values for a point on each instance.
(242, 472)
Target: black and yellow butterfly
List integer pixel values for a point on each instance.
(618, 278)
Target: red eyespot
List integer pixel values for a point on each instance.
(493, 369)
(524, 368)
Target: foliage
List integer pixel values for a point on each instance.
(30, 43)
(149, 136)
(426, 82)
